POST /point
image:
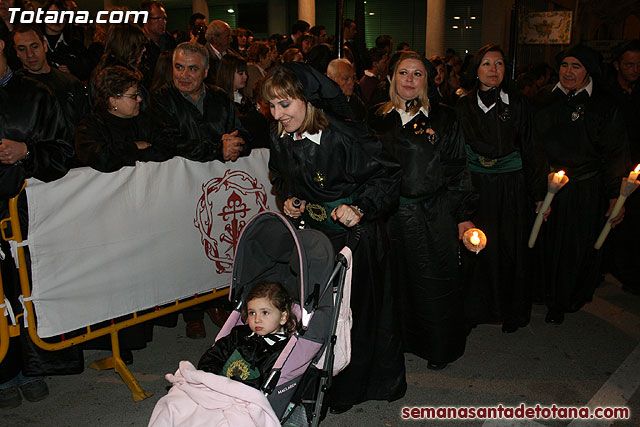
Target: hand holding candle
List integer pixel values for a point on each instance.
(628, 186)
(555, 181)
(474, 239)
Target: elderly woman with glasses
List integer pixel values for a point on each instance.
(116, 134)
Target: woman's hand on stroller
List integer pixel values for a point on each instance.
(347, 215)
(294, 207)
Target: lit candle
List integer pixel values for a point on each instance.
(555, 181)
(557, 177)
(475, 239)
(627, 187)
(633, 175)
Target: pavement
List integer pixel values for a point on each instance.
(593, 359)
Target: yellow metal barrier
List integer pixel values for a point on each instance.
(115, 361)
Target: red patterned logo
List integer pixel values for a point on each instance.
(234, 198)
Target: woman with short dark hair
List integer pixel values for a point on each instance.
(117, 134)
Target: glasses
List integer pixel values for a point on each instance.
(155, 18)
(130, 95)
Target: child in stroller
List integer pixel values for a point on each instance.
(248, 353)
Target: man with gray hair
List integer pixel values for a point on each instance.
(341, 71)
(206, 127)
(219, 39)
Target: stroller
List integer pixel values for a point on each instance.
(271, 248)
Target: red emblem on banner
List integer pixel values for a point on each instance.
(238, 196)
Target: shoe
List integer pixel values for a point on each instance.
(126, 356)
(10, 398)
(339, 409)
(35, 391)
(434, 366)
(196, 330)
(554, 316)
(218, 316)
(509, 327)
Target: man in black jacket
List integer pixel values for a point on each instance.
(72, 95)
(33, 143)
(203, 116)
(204, 119)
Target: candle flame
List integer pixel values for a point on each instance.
(561, 173)
(637, 169)
(475, 240)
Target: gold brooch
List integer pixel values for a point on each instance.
(319, 179)
(316, 212)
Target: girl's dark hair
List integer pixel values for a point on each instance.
(229, 64)
(163, 73)
(278, 296)
(112, 81)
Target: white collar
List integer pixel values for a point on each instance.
(237, 97)
(369, 74)
(407, 117)
(315, 138)
(503, 96)
(588, 88)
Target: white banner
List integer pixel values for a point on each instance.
(107, 244)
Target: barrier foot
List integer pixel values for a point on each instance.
(103, 364)
(136, 390)
(116, 363)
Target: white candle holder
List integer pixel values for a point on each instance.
(555, 181)
(626, 188)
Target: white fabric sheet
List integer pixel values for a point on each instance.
(107, 244)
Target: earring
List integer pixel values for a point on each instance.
(114, 108)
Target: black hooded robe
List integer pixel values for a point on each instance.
(349, 163)
(593, 151)
(436, 195)
(497, 285)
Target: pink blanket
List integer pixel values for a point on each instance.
(199, 398)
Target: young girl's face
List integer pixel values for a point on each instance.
(263, 317)
(239, 79)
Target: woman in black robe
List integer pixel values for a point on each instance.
(116, 134)
(436, 205)
(584, 134)
(509, 172)
(341, 176)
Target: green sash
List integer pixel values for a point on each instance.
(510, 163)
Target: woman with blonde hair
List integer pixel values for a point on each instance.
(436, 204)
(335, 175)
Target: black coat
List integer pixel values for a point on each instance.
(107, 143)
(436, 195)
(585, 136)
(70, 51)
(350, 161)
(496, 279)
(30, 113)
(71, 94)
(200, 135)
(257, 355)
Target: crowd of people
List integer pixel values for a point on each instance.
(414, 151)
